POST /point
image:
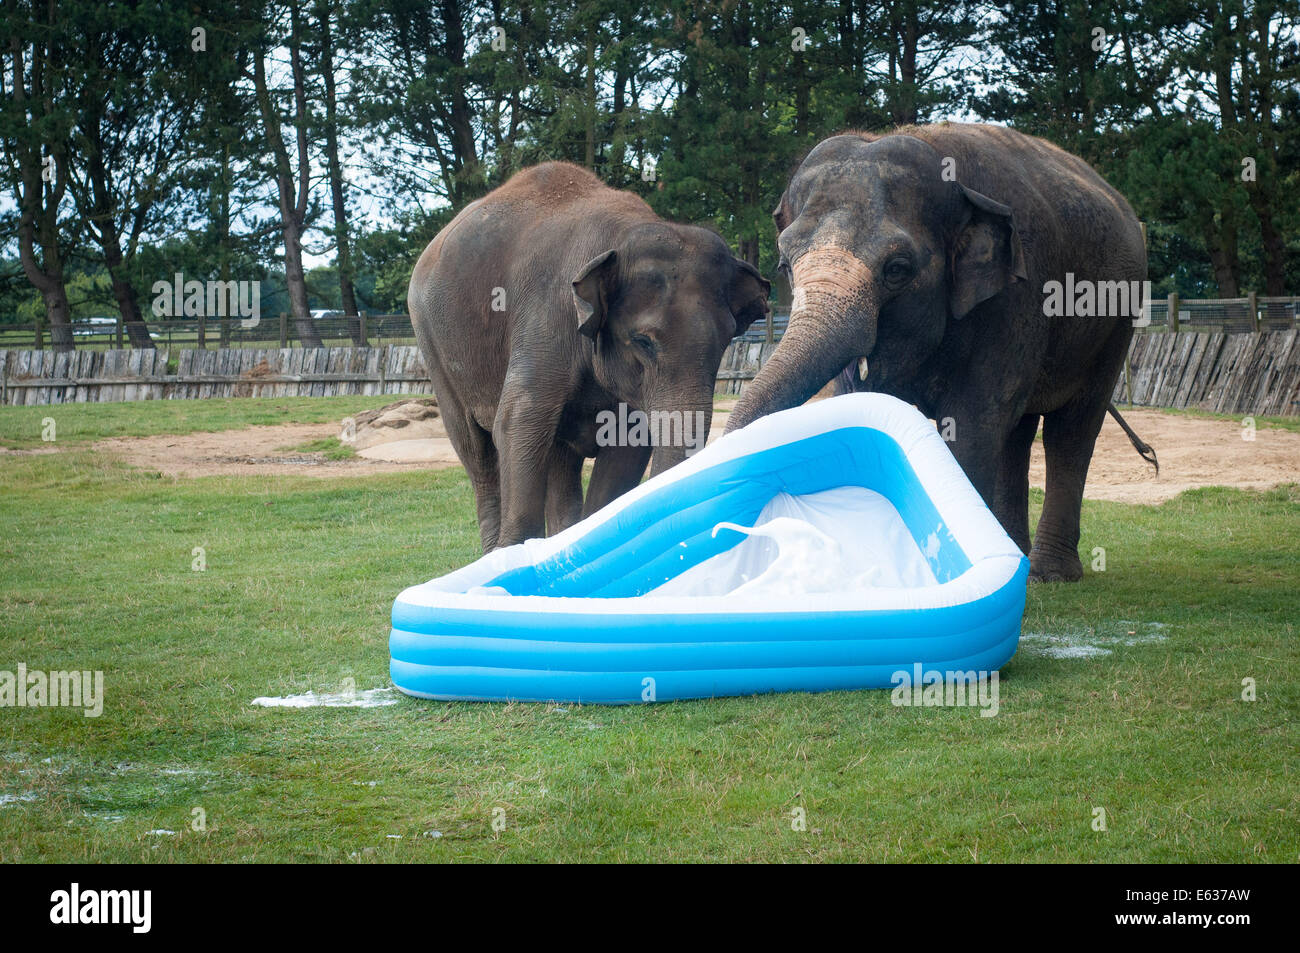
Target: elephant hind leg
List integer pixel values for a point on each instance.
(478, 454)
(1069, 436)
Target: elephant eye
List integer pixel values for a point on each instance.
(783, 265)
(898, 270)
(645, 343)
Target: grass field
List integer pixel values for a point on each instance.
(1126, 694)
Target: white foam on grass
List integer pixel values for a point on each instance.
(6, 799)
(371, 698)
(1091, 643)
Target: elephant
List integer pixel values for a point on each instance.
(923, 260)
(553, 305)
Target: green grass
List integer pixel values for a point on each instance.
(331, 447)
(74, 424)
(96, 568)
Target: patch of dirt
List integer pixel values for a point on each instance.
(253, 451)
(1193, 452)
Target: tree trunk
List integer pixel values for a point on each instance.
(1274, 246)
(467, 173)
(590, 158)
(223, 236)
(38, 222)
(342, 241)
(123, 291)
(293, 206)
(1221, 242)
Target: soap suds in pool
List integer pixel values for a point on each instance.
(371, 698)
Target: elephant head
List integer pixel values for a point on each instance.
(883, 246)
(660, 307)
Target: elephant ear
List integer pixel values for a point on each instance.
(781, 215)
(987, 255)
(748, 295)
(592, 291)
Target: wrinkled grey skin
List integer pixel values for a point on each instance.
(937, 280)
(603, 302)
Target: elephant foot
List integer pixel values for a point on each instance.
(1044, 567)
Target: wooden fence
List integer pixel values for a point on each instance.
(333, 328)
(47, 377)
(1239, 373)
(1231, 373)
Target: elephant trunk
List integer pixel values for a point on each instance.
(678, 429)
(832, 323)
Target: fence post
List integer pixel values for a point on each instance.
(1252, 303)
(771, 322)
(284, 330)
(203, 325)
(40, 344)
(117, 329)
(1173, 311)
(361, 320)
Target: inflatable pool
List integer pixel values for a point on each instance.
(824, 547)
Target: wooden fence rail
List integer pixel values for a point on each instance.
(47, 377)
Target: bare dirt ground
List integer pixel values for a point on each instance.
(253, 451)
(1193, 452)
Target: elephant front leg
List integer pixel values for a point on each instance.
(1011, 498)
(977, 446)
(617, 470)
(563, 489)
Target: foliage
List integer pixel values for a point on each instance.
(700, 107)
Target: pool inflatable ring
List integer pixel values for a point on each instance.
(824, 547)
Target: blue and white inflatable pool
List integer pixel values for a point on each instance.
(824, 547)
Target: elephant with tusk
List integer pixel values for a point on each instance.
(920, 261)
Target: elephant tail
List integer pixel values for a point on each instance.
(1148, 454)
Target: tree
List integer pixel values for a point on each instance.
(34, 126)
(334, 169)
(293, 196)
(134, 88)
